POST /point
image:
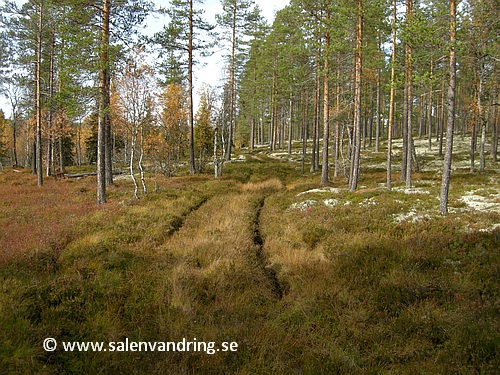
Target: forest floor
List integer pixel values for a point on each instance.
(306, 280)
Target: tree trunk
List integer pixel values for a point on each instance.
(49, 159)
(254, 89)
(473, 140)
(377, 124)
(131, 164)
(316, 117)
(421, 117)
(305, 129)
(336, 146)
(404, 133)
(102, 121)
(141, 156)
(51, 133)
(441, 120)
(14, 139)
(290, 132)
(409, 100)
(192, 169)
(494, 131)
(370, 118)
(232, 86)
(429, 110)
(482, 120)
(391, 100)
(353, 182)
(326, 112)
(445, 184)
(38, 153)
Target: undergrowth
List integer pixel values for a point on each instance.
(366, 282)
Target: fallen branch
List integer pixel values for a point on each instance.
(83, 175)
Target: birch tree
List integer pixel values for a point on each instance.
(134, 90)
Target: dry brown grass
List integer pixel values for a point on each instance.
(35, 219)
(273, 184)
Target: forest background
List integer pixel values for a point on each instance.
(326, 71)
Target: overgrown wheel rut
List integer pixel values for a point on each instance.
(219, 249)
(258, 241)
(178, 221)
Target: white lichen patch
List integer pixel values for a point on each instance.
(490, 229)
(411, 216)
(240, 158)
(285, 156)
(413, 190)
(302, 206)
(481, 203)
(368, 202)
(323, 190)
(330, 202)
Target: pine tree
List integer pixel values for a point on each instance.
(240, 18)
(204, 130)
(354, 175)
(182, 36)
(445, 184)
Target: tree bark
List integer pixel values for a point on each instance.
(409, 100)
(494, 131)
(482, 120)
(192, 168)
(290, 130)
(379, 92)
(51, 133)
(429, 110)
(336, 145)
(442, 117)
(445, 184)
(14, 140)
(305, 129)
(102, 121)
(38, 153)
(316, 116)
(473, 139)
(391, 100)
(232, 85)
(326, 98)
(353, 182)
